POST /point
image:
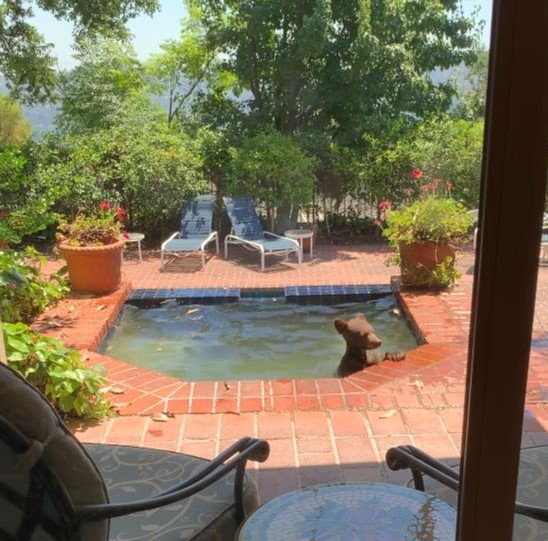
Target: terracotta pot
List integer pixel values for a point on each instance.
(94, 269)
(419, 259)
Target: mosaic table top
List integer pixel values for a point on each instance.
(352, 512)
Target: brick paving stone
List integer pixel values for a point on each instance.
(311, 423)
(315, 445)
(203, 449)
(422, 421)
(238, 426)
(275, 425)
(452, 419)
(169, 430)
(314, 475)
(282, 454)
(348, 423)
(200, 427)
(126, 430)
(439, 445)
(386, 422)
(274, 482)
(355, 451)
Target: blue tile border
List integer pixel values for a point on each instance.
(204, 293)
(342, 292)
(313, 293)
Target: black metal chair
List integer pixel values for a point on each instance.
(54, 488)
(442, 480)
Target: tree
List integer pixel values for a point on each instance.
(272, 167)
(14, 129)
(25, 58)
(343, 66)
(96, 92)
(184, 66)
(472, 91)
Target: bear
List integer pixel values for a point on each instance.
(361, 340)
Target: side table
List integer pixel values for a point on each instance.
(353, 512)
(134, 237)
(300, 235)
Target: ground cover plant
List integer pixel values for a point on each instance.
(58, 371)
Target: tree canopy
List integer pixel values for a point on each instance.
(342, 66)
(26, 61)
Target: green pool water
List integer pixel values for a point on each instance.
(248, 339)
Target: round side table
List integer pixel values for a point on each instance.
(300, 235)
(353, 512)
(134, 237)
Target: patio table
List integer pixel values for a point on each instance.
(353, 512)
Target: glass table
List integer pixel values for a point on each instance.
(352, 512)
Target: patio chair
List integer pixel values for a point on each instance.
(52, 488)
(440, 479)
(248, 231)
(196, 232)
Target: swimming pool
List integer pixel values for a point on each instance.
(254, 338)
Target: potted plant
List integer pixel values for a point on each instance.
(92, 247)
(425, 234)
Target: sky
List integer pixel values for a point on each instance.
(150, 32)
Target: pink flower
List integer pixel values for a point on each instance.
(417, 173)
(104, 205)
(448, 185)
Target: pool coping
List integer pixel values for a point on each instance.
(83, 321)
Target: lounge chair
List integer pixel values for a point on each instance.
(196, 232)
(442, 480)
(248, 231)
(52, 488)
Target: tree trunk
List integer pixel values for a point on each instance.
(287, 215)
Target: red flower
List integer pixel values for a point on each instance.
(383, 205)
(448, 185)
(417, 173)
(104, 205)
(125, 235)
(120, 214)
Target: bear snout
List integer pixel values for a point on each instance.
(373, 341)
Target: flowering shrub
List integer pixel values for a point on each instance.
(433, 216)
(103, 227)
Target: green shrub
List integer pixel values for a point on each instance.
(141, 164)
(73, 388)
(24, 291)
(435, 219)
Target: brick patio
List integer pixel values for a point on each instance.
(320, 430)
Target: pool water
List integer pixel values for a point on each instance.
(263, 338)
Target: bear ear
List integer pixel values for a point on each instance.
(340, 324)
(360, 315)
